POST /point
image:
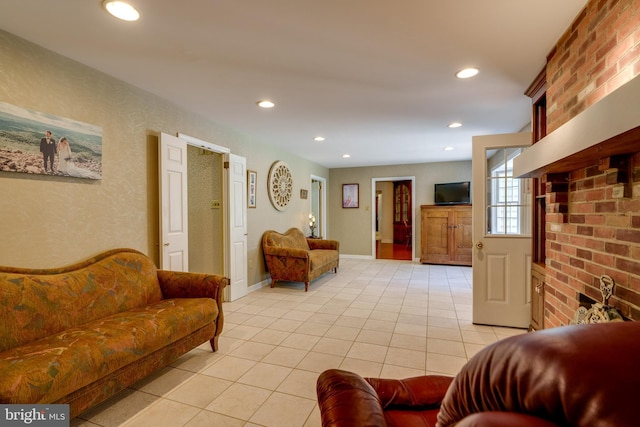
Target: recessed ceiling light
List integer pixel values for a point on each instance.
(454, 125)
(448, 148)
(266, 104)
(466, 73)
(346, 156)
(319, 138)
(121, 10)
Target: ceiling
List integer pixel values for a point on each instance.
(374, 77)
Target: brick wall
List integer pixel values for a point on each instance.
(593, 213)
(596, 55)
(593, 228)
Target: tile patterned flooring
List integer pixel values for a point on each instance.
(379, 318)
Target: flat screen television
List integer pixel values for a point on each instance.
(453, 193)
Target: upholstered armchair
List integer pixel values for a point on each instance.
(578, 376)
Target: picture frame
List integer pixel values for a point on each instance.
(304, 194)
(38, 143)
(252, 181)
(350, 196)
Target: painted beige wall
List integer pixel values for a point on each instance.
(353, 227)
(206, 228)
(55, 221)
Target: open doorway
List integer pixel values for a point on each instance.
(318, 206)
(174, 210)
(393, 217)
(205, 216)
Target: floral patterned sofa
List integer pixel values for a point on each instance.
(77, 335)
(293, 257)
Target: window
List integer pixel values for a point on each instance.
(508, 198)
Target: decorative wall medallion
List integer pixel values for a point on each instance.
(280, 184)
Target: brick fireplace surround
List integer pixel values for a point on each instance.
(593, 211)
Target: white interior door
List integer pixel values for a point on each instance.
(502, 232)
(237, 211)
(174, 233)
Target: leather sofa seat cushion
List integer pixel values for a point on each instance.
(52, 367)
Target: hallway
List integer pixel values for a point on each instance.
(400, 252)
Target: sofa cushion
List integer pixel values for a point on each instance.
(37, 303)
(292, 238)
(321, 257)
(50, 368)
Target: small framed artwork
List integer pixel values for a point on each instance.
(303, 194)
(252, 180)
(350, 198)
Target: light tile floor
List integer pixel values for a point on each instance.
(379, 318)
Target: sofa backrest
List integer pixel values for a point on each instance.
(579, 375)
(292, 238)
(35, 303)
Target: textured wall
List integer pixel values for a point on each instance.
(54, 221)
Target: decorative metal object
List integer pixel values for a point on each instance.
(599, 312)
(280, 184)
(312, 225)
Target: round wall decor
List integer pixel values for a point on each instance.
(280, 184)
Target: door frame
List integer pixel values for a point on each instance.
(374, 181)
(224, 151)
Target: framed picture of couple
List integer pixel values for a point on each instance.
(33, 142)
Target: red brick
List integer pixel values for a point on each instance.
(605, 260)
(594, 244)
(585, 231)
(595, 219)
(617, 249)
(595, 269)
(606, 206)
(584, 254)
(629, 266)
(577, 219)
(628, 235)
(604, 232)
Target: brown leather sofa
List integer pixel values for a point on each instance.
(582, 375)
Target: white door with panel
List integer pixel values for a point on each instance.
(502, 232)
(174, 233)
(237, 214)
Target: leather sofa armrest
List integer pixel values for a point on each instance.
(417, 392)
(323, 244)
(503, 419)
(345, 399)
(286, 252)
(175, 284)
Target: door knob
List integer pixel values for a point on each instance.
(166, 244)
(479, 245)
